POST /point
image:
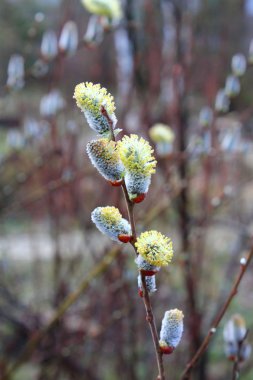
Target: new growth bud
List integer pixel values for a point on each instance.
(104, 156)
(234, 335)
(155, 248)
(145, 267)
(235, 329)
(68, 41)
(163, 137)
(205, 117)
(238, 64)
(16, 72)
(110, 9)
(109, 221)
(150, 283)
(161, 132)
(95, 32)
(49, 45)
(51, 103)
(136, 155)
(222, 102)
(232, 86)
(91, 98)
(171, 330)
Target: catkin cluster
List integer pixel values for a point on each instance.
(128, 162)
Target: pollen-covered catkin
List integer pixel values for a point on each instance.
(111, 9)
(109, 221)
(155, 248)
(150, 283)
(137, 157)
(234, 334)
(145, 267)
(91, 98)
(105, 157)
(172, 329)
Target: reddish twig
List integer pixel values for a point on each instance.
(244, 265)
(110, 122)
(146, 299)
(151, 320)
(130, 210)
(149, 312)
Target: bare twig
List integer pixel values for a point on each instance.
(244, 265)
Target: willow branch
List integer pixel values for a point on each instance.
(130, 210)
(151, 320)
(244, 265)
(110, 122)
(235, 374)
(236, 365)
(146, 299)
(149, 312)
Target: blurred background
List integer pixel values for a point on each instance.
(165, 62)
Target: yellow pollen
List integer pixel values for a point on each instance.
(155, 248)
(91, 97)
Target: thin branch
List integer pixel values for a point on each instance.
(110, 122)
(130, 210)
(151, 320)
(150, 316)
(236, 366)
(235, 374)
(244, 265)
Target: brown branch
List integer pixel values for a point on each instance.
(244, 265)
(130, 210)
(235, 374)
(146, 299)
(151, 320)
(110, 122)
(149, 312)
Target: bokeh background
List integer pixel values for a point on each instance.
(163, 61)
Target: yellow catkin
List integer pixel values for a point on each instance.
(161, 133)
(155, 248)
(108, 8)
(137, 155)
(110, 215)
(91, 97)
(176, 315)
